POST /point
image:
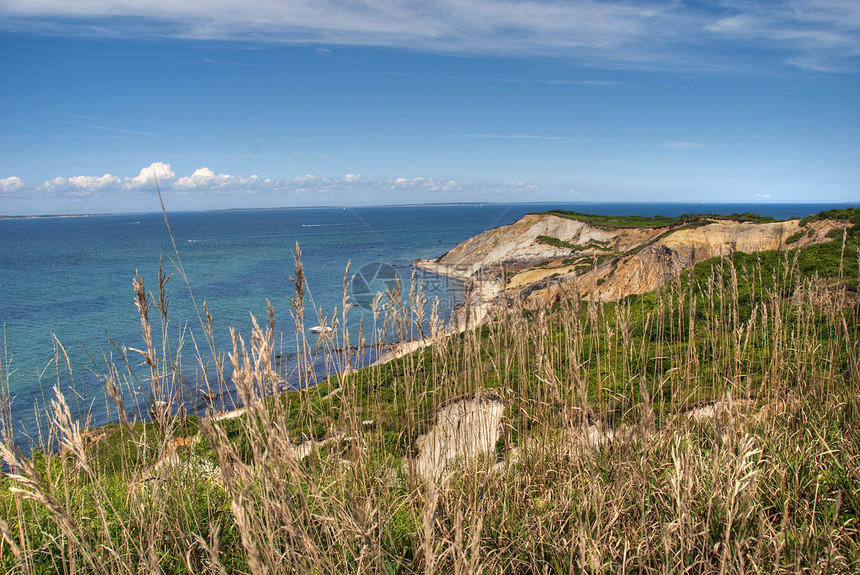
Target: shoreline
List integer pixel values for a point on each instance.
(483, 294)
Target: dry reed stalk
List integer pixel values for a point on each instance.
(664, 493)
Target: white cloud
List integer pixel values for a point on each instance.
(202, 177)
(206, 179)
(12, 184)
(206, 189)
(93, 183)
(82, 185)
(421, 183)
(148, 175)
(201, 180)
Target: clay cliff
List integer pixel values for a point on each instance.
(539, 251)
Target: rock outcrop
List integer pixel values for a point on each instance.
(464, 428)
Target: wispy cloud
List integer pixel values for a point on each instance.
(816, 34)
(595, 83)
(230, 63)
(819, 35)
(109, 129)
(683, 146)
(518, 137)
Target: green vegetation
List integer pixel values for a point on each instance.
(851, 215)
(592, 245)
(710, 427)
(619, 222)
(551, 241)
(794, 238)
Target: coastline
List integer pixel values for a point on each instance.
(481, 292)
(63, 281)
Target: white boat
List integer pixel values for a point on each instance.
(320, 329)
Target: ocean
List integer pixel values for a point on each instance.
(67, 281)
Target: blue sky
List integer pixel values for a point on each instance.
(326, 102)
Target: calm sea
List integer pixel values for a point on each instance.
(68, 280)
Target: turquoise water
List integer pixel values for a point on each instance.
(71, 278)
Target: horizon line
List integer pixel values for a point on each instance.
(409, 205)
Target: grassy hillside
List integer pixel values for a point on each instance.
(709, 427)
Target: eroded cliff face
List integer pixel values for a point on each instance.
(609, 264)
(518, 242)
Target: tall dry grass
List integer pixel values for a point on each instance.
(710, 427)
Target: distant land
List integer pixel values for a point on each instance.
(413, 205)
